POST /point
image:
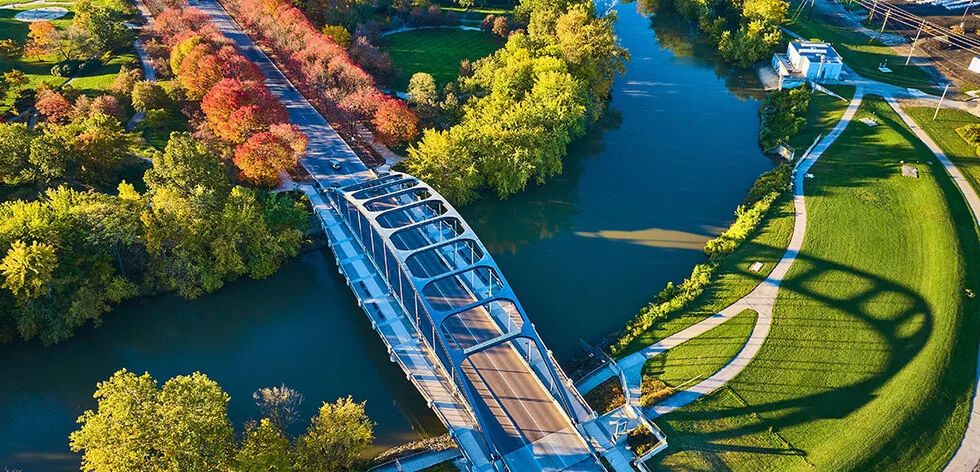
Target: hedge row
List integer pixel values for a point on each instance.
(764, 192)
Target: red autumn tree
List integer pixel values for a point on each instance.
(236, 109)
(236, 66)
(54, 106)
(265, 155)
(173, 22)
(395, 123)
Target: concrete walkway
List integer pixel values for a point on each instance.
(967, 457)
(149, 73)
(417, 462)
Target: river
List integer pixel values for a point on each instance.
(631, 211)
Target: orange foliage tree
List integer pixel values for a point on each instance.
(395, 123)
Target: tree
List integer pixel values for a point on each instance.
(10, 49)
(15, 148)
(54, 106)
(148, 95)
(199, 71)
(195, 431)
(501, 26)
(51, 158)
(264, 449)
(103, 25)
(266, 154)
(123, 432)
(181, 50)
(182, 426)
(422, 89)
(27, 269)
(279, 405)
(395, 123)
(235, 110)
(41, 38)
(187, 168)
(336, 436)
(446, 164)
(338, 33)
(125, 80)
(16, 79)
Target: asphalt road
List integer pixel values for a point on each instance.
(324, 143)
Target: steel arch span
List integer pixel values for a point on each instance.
(528, 411)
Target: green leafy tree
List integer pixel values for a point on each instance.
(147, 96)
(339, 34)
(445, 162)
(264, 449)
(123, 432)
(15, 149)
(336, 436)
(182, 426)
(27, 270)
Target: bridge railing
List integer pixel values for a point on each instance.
(398, 360)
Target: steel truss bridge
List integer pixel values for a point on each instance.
(492, 380)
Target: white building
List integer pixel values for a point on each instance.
(807, 61)
(975, 64)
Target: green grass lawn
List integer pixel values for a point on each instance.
(943, 132)
(699, 358)
(437, 51)
(871, 359)
(734, 279)
(822, 115)
(39, 71)
(98, 82)
(864, 55)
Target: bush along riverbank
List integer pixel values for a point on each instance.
(766, 190)
(783, 115)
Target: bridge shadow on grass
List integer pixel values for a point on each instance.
(871, 329)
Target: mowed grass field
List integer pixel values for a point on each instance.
(699, 358)
(942, 130)
(872, 355)
(437, 51)
(822, 115)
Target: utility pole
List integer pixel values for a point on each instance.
(968, 5)
(912, 47)
(810, 13)
(871, 16)
(883, 23)
(940, 101)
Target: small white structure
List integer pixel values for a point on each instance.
(807, 61)
(975, 64)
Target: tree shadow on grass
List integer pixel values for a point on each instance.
(899, 335)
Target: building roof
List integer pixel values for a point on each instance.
(816, 52)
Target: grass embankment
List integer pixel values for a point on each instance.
(864, 55)
(871, 357)
(437, 51)
(942, 130)
(699, 358)
(607, 396)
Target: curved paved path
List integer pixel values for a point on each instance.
(761, 300)
(967, 456)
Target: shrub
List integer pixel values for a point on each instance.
(148, 96)
(970, 133)
(156, 119)
(89, 66)
(65, 68)
(338, 33)
(501, 26)
(783, 115)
